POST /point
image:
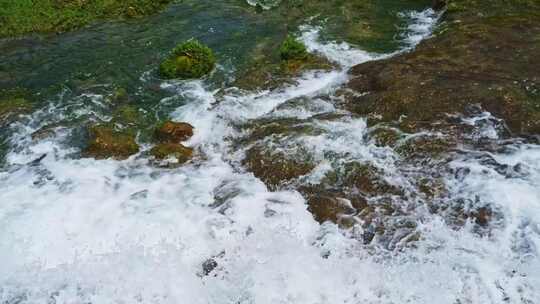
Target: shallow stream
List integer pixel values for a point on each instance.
(79, 230)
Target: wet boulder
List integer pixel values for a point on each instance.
(173, 132)
(364, 178)
(275, 169)
(190, 59)
(329, 208)
(107, 142)
(332, 205)
(178, 152)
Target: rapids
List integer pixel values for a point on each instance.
(79, 230)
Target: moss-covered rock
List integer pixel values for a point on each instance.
(166, 150)
(173, 132)
(361, 177)
(431, 147)
(275, 169)
(106, 142)
(130, 115)
(190, 59)
(292, 49)
(384, 136)
(467, 62)
(267, 70)
(13, 102)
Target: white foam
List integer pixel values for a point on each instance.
(420, 25)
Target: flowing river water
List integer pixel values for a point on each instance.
(79, 230)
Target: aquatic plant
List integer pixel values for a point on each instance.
(190, 59)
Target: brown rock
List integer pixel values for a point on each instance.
(174, 132)
(275, 169)
(106, 142)
(178, 151)
(490, 61)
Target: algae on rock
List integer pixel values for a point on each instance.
(485, 55)
(180, 152)
(106, 142)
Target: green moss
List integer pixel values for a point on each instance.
(292, 49)
(25, 16)
(190, 59)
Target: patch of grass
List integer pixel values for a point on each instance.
(18, 17)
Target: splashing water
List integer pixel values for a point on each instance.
(88, 231)
(265, 4)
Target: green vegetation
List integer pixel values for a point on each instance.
(19, 17)
(190, 59)
(292, 49)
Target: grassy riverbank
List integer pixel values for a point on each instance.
(26, 16)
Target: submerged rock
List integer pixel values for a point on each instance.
(106, 142)
(173, 132)
(190, 59)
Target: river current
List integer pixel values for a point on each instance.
(79, 230)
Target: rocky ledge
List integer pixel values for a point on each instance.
(483, 53)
